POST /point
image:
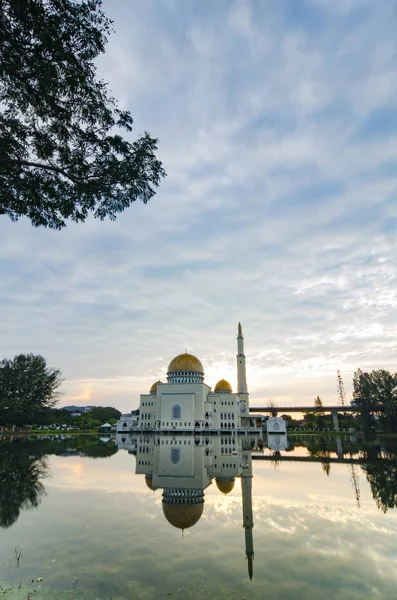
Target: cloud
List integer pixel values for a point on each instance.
(277, 130)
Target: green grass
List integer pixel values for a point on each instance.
(58, 431)
(322, 433)
(36, 433)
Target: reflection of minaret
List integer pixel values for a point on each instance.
(242, 388)
(339, 447)
(248, 519)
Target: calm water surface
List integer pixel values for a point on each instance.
(93, 519)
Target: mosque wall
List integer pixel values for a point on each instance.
(178, 462)
(177, 409)
(225, 411)
(179, 406)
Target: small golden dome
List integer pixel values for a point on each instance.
(223, 386)
(225, 486)
(185, 362)
(153, 389)
(182, 515)
(149, 482)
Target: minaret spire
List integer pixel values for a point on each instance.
(241, 373)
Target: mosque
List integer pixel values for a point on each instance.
(184, 403)
(183, 466)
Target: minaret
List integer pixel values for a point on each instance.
(242, 389)
(241, 374)
(248, 518)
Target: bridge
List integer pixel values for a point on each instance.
(323, 459)
(303, 409)
(334, 410)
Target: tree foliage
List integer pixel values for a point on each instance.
(375, 395)
(382, 476)
(273, 405)
(27, 387)
(103, 414)
(61, 156)
(318, 402)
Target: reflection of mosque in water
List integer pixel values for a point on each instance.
(183, 466)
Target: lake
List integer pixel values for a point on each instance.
(196, 517)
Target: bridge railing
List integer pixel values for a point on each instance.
(305, 408)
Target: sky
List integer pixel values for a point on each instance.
(277, 127)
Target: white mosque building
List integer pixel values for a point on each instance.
(184, 403)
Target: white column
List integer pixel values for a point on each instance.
(241, 372)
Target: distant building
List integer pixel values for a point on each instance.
(77, 410)
(127, 423)
(276, 425)
(185, 403)
(106, 427)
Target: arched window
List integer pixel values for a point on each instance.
(124, 424)
(176, 411)
(175, 455)
(276, 426)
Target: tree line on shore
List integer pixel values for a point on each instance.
(29, 392)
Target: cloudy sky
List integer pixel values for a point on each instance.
(277, 123)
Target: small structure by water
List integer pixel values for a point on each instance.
(276, 425)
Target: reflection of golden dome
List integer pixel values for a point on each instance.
(223, 386)
(153, 389)
(185, 362)
(225, 486)
(149, 481)
(183, 515)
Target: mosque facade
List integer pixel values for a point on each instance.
(185, 403)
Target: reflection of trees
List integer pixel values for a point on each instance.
(84, 444)
(382, 476)
(320, 448)
(325, 465)
(23, 465)
(276, 459)
(20, 482)
(383, 482)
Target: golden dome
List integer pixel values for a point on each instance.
(225, 486)
(223, 386)
(183, 515)
(153, 389)
(149, 482)
(185, 362)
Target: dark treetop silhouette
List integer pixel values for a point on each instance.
(61, 156)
